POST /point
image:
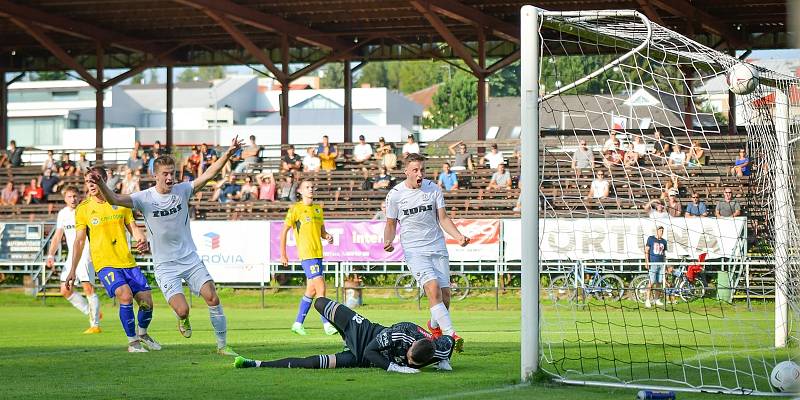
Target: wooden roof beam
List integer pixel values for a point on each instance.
(650, 12)
(458, 47)
(710, 23)
(468, 15)
(260, 20)
(75, 28)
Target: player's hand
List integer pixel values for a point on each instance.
(236, 144)
(70, 283)
(142, 246)
(463, 241)
(51, 262)
(284, 260)
(94, 177)
(402, 369)
(387, 247)
(329, 238)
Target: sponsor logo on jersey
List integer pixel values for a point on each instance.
(95, 221)
(418, 209)
(167, 211)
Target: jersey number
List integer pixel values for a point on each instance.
(110, 278)
(314, 269)
(164, 213)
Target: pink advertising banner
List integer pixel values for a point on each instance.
(352, 241)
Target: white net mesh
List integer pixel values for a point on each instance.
(650, 105)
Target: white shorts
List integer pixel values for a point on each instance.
(169, 277)
(429, 266)
(83, 273)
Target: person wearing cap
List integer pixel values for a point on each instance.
(362, 151)
(494, 157)
(696, 208)
(655, 256)
(410, 146)
(674, 207)
(83, 164)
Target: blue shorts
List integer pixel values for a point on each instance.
(112, 278)
(656, 272)
(313, 267)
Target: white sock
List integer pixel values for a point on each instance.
(94, 309)
(434, 323)
(441, 315)
(79, 302)
(132, 339)
(220, 324)
(141, 331)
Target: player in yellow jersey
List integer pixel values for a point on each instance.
(113, 261)
(308, 223)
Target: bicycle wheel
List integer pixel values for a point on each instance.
(690, 291)
(640, 288)
(405, 287)
(459, 286)
(610, 287)
(562, 289)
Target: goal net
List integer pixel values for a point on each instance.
(639, 156)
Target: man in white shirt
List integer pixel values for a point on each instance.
(612, 143)
(600, 187)
(65, 227)
(410, 147)
(311, 162)
(362, 152)
(494, 157)
(418, 205)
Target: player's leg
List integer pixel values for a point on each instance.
(318, 285)
(313, 270)
(114, 281)
(200, 282)
(87, 276)
(169, 280)
(144, 298)
(344, 359)
(337, 313)
(649, 292)
(73, 297)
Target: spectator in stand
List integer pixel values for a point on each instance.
(326, 144)
(191, 166)
(148, 163)
(158, 150)
(380, 215)
(233, 162)
(494, 157)
(311, 163)
(248, 191)
(631, 158)
(114, 179)
(741, 167)
(49, 183)
(50, 162)
(663, 160)
(9, 196)
(226, 190)
(448, 180)
(613, 157)
(297, 179)
(612, 143)
(209, 155)
(696, 155)
(13, 156)
(673, 184)
(600, 187)
(677, 158)
(410, 146)
(286, 187)
(130, 183)
(728, 206)
(659, 144)
(696, 208)
(639, 146)
(362, 151)
(384, 180)
(655, 209)
(327, 160)
(582, 159)
(135, 162)
(462, 160)
(384, 152)
(266, 187)
(66, 167)
(33, 194)
(137, 145)
(674, 207)
(83, 164)
(291, 161)
(250, 155)
(366, 180)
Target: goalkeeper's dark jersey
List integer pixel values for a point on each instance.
(391, 345)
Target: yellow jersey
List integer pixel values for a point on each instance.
(108, 240)
(307, 221)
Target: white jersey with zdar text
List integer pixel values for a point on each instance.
(417, 212)
(66, 222)
(167, 219)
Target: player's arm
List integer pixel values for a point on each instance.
(77, 247)
(141, 241)
(325, 235)
(214, 169)
(389, 231)
(449, 226)
(123, 200)
(373, 354)
(54, 243)
(284, 257)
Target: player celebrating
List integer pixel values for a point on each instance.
(113, 260)
(65, 226)
(404, 347)
(309, 226)
(419, 206)
(165, 208)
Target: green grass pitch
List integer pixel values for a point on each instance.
(44, 355)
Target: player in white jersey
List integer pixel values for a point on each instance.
(165, 208)
(65, 227)
(418, 204)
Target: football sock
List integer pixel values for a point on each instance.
(79, 302)
(313, 362)
(145, 315)
(128, 320)
(302, 310)
(441, 315)
(220, 324)
(337, 313)
(94, 309)
(434, 324)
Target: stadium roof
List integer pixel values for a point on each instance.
(217, 32)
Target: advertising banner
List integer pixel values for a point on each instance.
(352, 241)
(484, 243)
(234, 251)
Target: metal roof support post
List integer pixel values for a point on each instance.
(481, 85)
(731, 104)
(170, 86)
(3, 110)
(99, 111)
(348, 102)
(284, 103)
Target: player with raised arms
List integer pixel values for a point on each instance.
(308, 222)
(165, 208)
(65, 227)
(112, 259)
(403, 347)
(418, 205)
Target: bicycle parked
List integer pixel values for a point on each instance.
(565, 288)
(687, 282)
(405, 287)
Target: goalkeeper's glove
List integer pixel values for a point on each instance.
(401, 369)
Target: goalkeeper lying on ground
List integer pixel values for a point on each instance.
(404, 347)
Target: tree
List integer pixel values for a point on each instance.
(418, 75)
(138, 79)
(49, 76)
(332, 76)
(205, 74)
(379, 74)
(454, 102)
(153, 78)
(505, 82)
